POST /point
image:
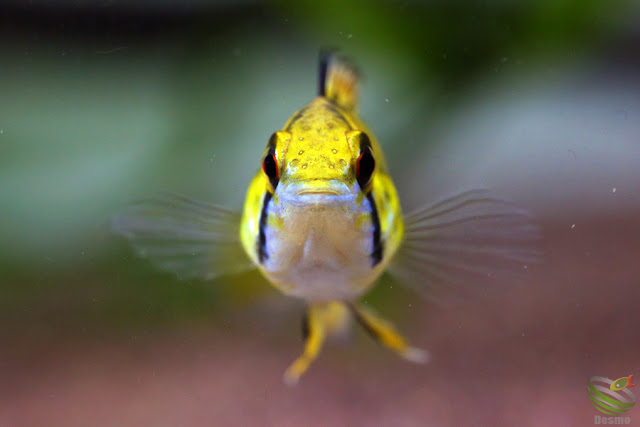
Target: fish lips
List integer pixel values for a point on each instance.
(318, 194)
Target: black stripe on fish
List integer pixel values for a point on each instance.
(305, 326)
(378, 246)
(365, 142)
(262, 237)
(322, 71)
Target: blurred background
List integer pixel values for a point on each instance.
(107, 101)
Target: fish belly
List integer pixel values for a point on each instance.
(320, 254)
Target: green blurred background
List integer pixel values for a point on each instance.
(106, 101)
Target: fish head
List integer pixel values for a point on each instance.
(319, 158)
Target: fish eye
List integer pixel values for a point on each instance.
(270, 168)
(364, 168)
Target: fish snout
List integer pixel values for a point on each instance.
(316, 192)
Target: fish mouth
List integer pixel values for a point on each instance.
(318, 192)
(327, 192)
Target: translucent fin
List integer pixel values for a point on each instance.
(339, 80)
(466, 245)
(189, 238)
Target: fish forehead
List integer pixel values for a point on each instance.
(318, 148)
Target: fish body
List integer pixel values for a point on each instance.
(322, 221)
(318, 225)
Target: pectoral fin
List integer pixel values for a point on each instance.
(471, 243)
(189, 238)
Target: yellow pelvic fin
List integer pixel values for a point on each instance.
(331, 318)
(339, 81)
(322, 320)
(385, 332)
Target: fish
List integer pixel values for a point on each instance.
(322, 221)
(622, 383)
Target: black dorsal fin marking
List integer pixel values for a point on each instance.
(325, 55)
(338, 80)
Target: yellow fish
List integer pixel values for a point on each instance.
(622, 383)
(322, 221)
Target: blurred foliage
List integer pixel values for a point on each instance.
(453, 41)
(110, 103)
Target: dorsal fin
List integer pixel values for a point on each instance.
(338, 80)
